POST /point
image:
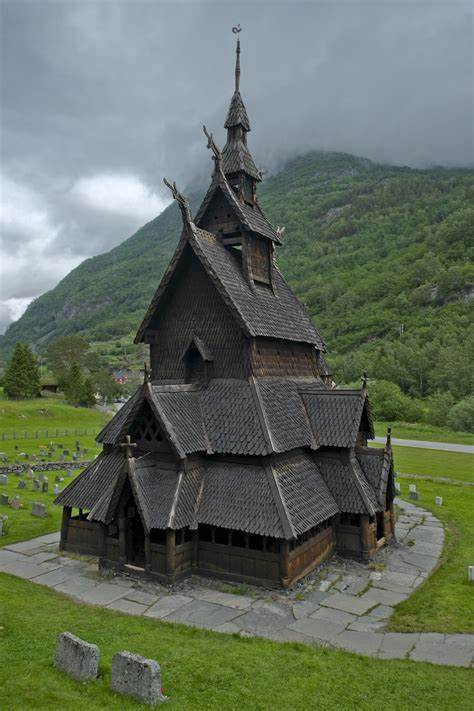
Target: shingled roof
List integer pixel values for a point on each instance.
(237, 114)
(258, 416)
(260, 311)
(347, 483)
(377, 465)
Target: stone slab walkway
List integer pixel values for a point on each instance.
(345, 604)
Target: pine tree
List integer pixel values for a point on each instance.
(22, 378)
(88, 393)
(74, 385)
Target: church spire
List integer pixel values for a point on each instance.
(237, 65)
(236, 155)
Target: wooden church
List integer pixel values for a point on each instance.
(235, 458)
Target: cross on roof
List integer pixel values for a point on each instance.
(128, 446)
(146, 373)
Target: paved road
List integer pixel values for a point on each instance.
(444, 446)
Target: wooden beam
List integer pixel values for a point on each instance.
(147, 552)
(64, 526)
(170, 551)
(285, 562)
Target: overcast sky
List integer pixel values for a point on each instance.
(100, 99)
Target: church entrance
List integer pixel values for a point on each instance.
(135, 538)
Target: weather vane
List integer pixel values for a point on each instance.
(236, 29)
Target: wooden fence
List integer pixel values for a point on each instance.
(45, 434)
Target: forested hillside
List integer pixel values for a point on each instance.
(380, 255)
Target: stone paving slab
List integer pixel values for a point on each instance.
(452, 654)
(75, 585)
(332, 615)
(367, 643)
(167, 605)
(317, 629)
(237, 602)
(101, 594)
(141, 597)
(127, 606)
(261, 621)
(347, 603)
(382, 612)
(43, 556)
(304, 609)
(384, 597)
(397, 645)
(200, 613)
(367, 623)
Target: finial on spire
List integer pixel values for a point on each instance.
(389, 437)
(236, 31)
(364, 380)
(212, 145)
(128, 446)
(183, 204)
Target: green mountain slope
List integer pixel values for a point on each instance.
(379, 254)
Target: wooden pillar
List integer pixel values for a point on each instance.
(196, 549)
(122, 526)
(170, 551)
(147, 553)
(102, 541)
(64, 526)
(285, 563)
(364, 537)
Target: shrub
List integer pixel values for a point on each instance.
(461, 415)
(389, 403)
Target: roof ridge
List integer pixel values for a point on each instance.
(358, 473)
(262, 415)
(279, 501)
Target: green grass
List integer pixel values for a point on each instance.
(22, 524)
(423, 431)
(42, 416)
(200, 670)
(444, 602)
(434, 463)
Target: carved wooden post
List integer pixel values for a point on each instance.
(285, 563)
(102, 541)
(147, 553)
(64, 526)
(170, 552)
(364, 537)
(196, 549)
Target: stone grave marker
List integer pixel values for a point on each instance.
(30, 473)
(15, 503)
(38, 509)
(45, 485)
(397, 487)
(69, 473)
(470, 573)
(60, 445)
(55, 488)
(1, 525)
(438, 500)
(75, 657)
(21, 484)
(36, 485)
(3, 479)
(41, 476)
(412, 492)
(4, 499)
(58, 479)
(137, 677)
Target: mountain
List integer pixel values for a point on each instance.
(381, 255)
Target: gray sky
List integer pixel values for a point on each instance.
(99, 100)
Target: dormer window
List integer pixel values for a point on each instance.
(198, 361)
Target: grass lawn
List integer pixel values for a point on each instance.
(45, 416)
(444, 603)
(432, 462)
(421, 430)
(200, 670)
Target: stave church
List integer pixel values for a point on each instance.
(237, 457)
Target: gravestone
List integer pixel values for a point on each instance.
(438, 500)
(137, 677)
(30, 473)
(470, 573)
(15, 503)
(69, 473)
(397, 487)
(3, 479)
(75, 657)
(58, 479)
(38, 509)
(411, 487)
(62, 457)
(42, 477)
(56, 488)
(45, 485)
(1, 525)
(413, 495)
(66, 452)
(36, 485)
(60, 446)
(21, 484)
(74, 457)
(4, 499)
